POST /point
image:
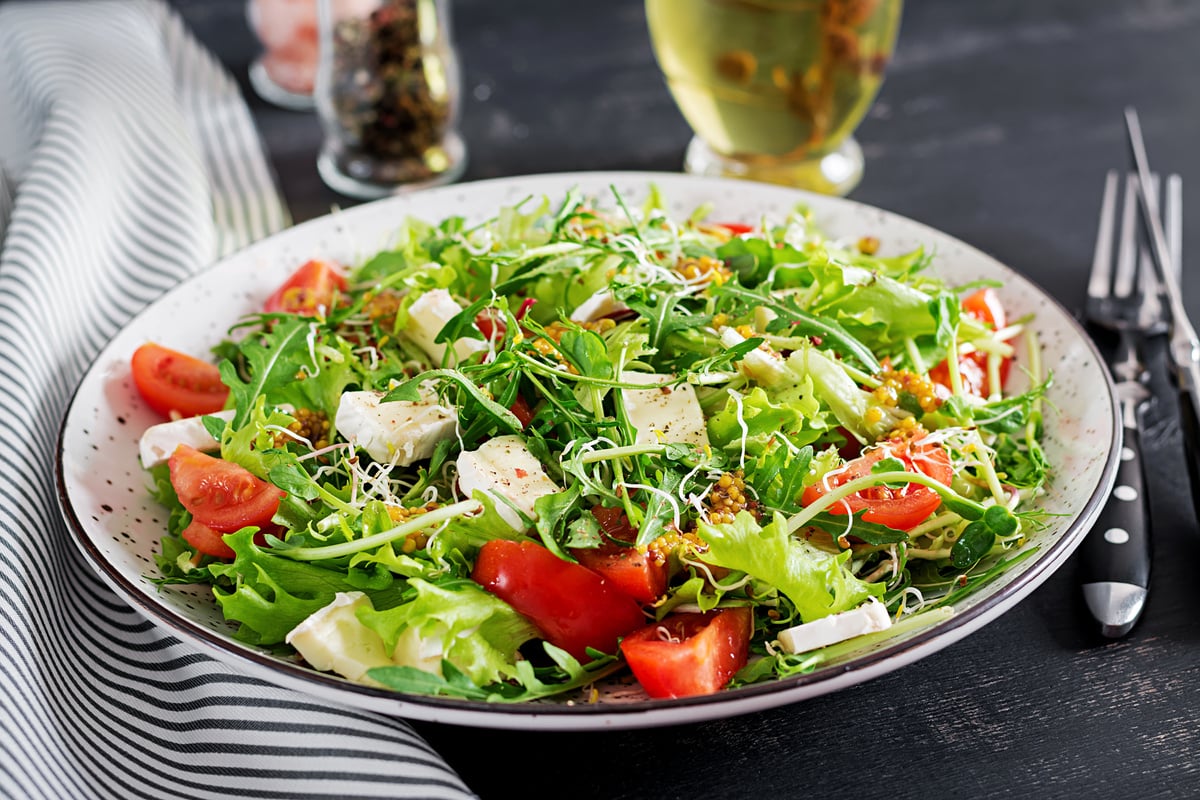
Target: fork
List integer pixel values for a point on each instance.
(1123, 296)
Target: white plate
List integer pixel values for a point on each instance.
(103, 493)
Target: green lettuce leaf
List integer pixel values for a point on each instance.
(766, 417)
(817, 583)
(268, 595)
(475, 631)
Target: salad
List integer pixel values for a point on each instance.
(579, 440)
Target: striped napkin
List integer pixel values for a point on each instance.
(128, 161)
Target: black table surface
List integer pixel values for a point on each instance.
(996, 124)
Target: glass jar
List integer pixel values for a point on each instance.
(387, 94)
(287, 29)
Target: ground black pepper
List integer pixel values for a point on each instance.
(390, 94)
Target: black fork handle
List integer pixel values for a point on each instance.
(1117, 549)
(1187, 378)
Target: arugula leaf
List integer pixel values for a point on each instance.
(659, 510)
(273, 359)
(586, 352)
(805, 323)
(473, 399)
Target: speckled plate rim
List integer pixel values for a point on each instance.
(90, 533)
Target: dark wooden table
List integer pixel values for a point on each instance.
(996, 124)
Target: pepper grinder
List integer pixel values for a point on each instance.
(387, 94)
(284, 71)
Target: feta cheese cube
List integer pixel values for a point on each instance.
(332, 639)
(664, 413)
(159, 441)
(599, 305)
(399, 431)
(763, 366)
(504, 468)
(426, 318)
(867, 618)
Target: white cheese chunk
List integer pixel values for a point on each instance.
(763, 317)
(426, 318)
(400, 431)
(868, 618)
(762, 366)
(599, 305)
(332, 639)
(159, 441)
(422, 652)
(504, 468)
(664, 413)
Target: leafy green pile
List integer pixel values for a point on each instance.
(788, 339)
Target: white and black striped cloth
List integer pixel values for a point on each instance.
(128, 161)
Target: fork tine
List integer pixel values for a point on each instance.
(1101, 276)
(1174, 222)
(1127, 247)
(1150, 313)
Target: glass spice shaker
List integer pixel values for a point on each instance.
(287, 30)
(387, 94)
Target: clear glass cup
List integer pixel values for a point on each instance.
(283, 73)
(387, 94)
(774, 89)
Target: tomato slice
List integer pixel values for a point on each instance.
(521, 410)
(735, 228)
(176, 384)
(207, 541)
(491, 324)
(690, 654)
(900, 508)
(984, 305)
(308, 289)
(572, 606)
(220, 494)
(639, 574)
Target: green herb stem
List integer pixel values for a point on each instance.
(419, 523)
(974, 510)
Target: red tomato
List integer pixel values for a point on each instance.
(491, 324)
(206, 540)
(690, 654)
(176, 384)
(984, 305)
(309, 288)
(735, 228)
(220, 494)
(522, 411)
(639, 574)
(903, 508)
(572, 606)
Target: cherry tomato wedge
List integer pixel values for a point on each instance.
(491, 324)
(176, 384)
(984, 305)
(572, 606)
(220, 494)
(901, 508)
(639, 574)
(309, 288)
(735, 228)
(689, 654)
(206, 540)
(521, 410)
